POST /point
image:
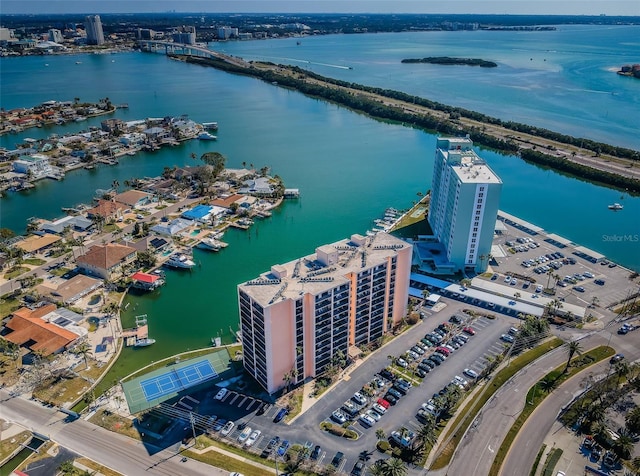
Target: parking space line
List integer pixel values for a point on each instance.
(234, 399)
(242, 401)
(253, 400)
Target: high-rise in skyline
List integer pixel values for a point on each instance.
(297, 318)
(465, 197)
(93, 27)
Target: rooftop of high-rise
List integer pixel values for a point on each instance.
(324, 269)
(468, 166)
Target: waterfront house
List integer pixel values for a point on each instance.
(133, 198)
(149, 243)
(106, 261)
(107, 209)
(35, 165)
(37, 243)
(70, 290)
(172, 228)
(46, 329)
(57, 227)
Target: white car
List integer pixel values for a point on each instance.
(470, 373)
(379, 409)
(227, 428)
(507, 279)
(339, 417)
(245, 434)
(359, 398)
(366, 420)
(539, 288)
(221, 394)
(402, 363)
(374, 415)
(459, 380)
(253, 437)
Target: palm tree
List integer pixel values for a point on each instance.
(622, 370)
(380, 434)
(623, 446)
(84, 349)
(426, 434)
(573, 347)
(635, 465)
(548, 385)
(395, 467)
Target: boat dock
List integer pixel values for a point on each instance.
(141, 331)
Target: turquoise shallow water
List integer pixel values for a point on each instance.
(349, 169)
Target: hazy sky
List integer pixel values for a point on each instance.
(542, 7)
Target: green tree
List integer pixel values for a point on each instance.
(623, 446)
(426, 435)
(632, 420)
(216, 160)
(572, 348)
(548, 384)
(380, 434)
(395, 467)
(66, 467)
(83, 349)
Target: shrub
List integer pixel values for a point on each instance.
(383, 446)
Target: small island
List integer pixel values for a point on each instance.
(448, 60)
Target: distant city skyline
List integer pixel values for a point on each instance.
(510, 7)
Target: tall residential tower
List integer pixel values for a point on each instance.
(295, 319)
(465, 196)
(93, 27)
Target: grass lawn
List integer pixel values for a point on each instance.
(35, 261)
(16, 272)
(97, 467)
(60, 390)
(8, 305)
(9, 445)
(468, 413)
(59, 271)
(117, 423)
(536, 395)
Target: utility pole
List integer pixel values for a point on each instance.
(192, 420)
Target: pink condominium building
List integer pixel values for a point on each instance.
(295, 318)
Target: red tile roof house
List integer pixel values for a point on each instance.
(28, 329)
(108, 261)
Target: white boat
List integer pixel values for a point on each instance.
(616, 206)
(180, 260)
(209, 244)
(212, 126)
(144, 342)
(206, 136)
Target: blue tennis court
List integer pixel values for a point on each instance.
(177, 379)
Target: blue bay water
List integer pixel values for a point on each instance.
(349, 169)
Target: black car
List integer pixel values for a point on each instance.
(280, 415)
(358, 468)
(273, 442)
(315, 454)
(455, 319)
(390, 398)
(421, 372)
(387, 374)
(429, 363)
(337, 459)
(435, 360)
(400, 389)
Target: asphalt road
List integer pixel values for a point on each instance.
(476, 452)
(531, 436)
(113, 450)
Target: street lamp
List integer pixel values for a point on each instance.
(533, 396)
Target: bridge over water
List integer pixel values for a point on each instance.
(168, 47)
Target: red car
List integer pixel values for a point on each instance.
(384, 403)
(469, 330)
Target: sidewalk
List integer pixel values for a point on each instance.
(231, 455)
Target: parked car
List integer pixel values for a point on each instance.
(367, 420)
(379, 409)
(273, 442)
(280, 415)
(339, 417)
(282, 449)
(244, 435)
(221, 394)
(507, 338)
(394, 392)
(359, 398)
(470, 373)
(315, 454)
(227, 428)
(402, 363)
(420, 372)
(253, 437)
(337, 459)
(392, 399)
(358, 468)
(616, 358)
(387, 374)
(469, 331)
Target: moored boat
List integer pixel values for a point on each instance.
(209, 244)
(144, 342)
(180, 260)
(207, 136)
(615, 206)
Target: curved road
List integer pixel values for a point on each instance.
(475, 454)
(110, 449)
(533, 433)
